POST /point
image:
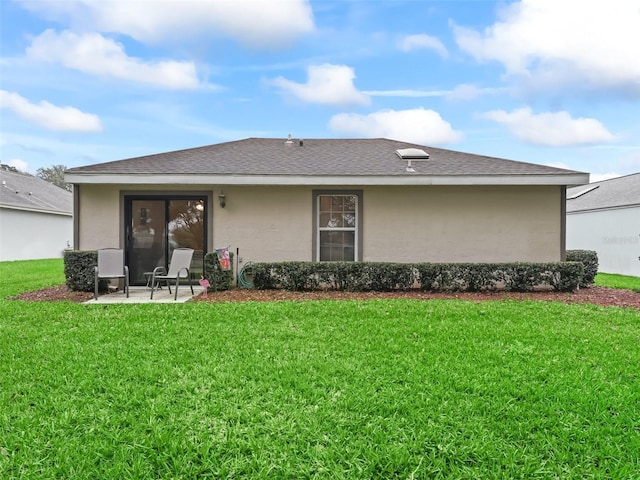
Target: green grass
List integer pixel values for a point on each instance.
(618, 281)
(27, 275)
(321, 389)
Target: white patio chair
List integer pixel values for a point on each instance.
(179, 267)
(110, 265)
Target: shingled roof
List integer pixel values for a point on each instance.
(25, 192)
(318, 161)
(620, 192)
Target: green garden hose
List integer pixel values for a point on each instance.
(242, 275)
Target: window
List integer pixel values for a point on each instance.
(337, 223)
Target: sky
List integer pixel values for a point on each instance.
(541, 81)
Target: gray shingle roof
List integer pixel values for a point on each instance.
(27, 192)
(612, 193)
(316, 157)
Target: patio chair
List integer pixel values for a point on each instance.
(110, 265)
(179, 267)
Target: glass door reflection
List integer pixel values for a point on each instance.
(156, 226)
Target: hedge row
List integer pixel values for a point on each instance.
(589, 260)
(580, 270)
(79, 271)
(374, 276)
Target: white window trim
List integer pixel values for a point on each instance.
(357, 229)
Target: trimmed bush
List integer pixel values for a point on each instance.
(79, 270)
(344, 276)
(589, 259)
(360, 277)
(460, 276)
(218, 279)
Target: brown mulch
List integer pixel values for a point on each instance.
(53, 294)
(594, 295)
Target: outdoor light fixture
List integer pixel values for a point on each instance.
(222, 199)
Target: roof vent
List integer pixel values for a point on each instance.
(412, 154)
(409, 154)
(289, 142)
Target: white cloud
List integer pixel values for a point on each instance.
(551, 129)
(50, 116)
(94, 54)
(326, 84)
(259, 24)
(21, 165)
(563, 43)
(422, 41)
(459, 93)
(416, 125)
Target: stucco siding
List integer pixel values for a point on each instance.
(401, 224)
(613, 233)
(462, 224)
(99, 217)
(26, 235)
(265, 223)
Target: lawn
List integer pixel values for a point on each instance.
(618, 281)
(317, 389)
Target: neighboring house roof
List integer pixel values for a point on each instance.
(275, 161)
(22, 191)
(617, 192)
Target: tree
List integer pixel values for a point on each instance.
(54, 175)
(8, 168)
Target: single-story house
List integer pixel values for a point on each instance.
(272, 199)
(605, 217)
(36, 217)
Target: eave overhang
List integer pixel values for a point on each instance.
(569, 179)
(601, 209)
(35, 210)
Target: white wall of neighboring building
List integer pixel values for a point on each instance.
(29, 235)
(613, 233)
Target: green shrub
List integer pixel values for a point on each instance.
(79, 270)
(560, 276)
(344, 276)
(460, 276)
(589, 259)
(218, 279)
(295, 276)
(386, 277)
(377, 276)
(568, 276)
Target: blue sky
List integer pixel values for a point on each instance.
(542, 81)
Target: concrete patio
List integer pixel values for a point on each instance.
(142, 295)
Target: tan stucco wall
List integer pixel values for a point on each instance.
(462, 224)
(265, 223)
(99, 217)
(403, 224)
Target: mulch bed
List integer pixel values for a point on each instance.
(594, 295)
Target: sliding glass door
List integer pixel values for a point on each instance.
(155, 226)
